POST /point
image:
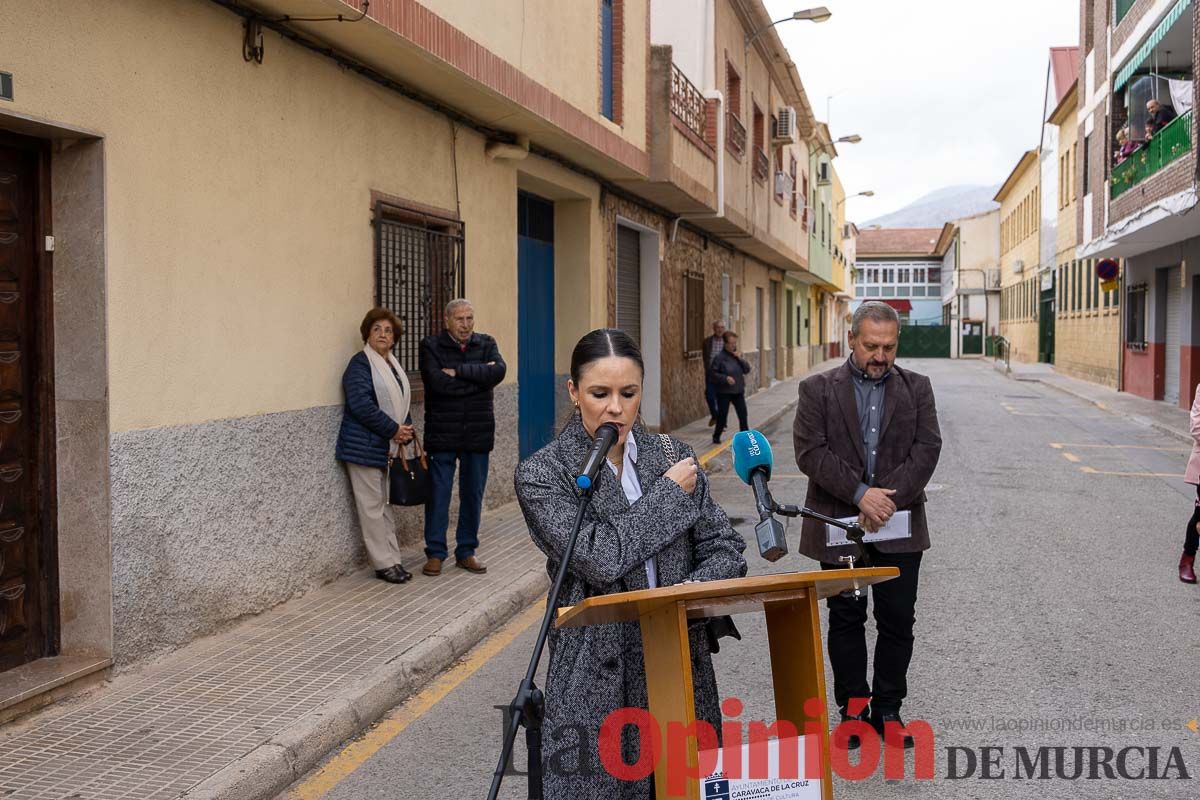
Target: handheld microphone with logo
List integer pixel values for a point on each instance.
(752, 462)
(606, 437)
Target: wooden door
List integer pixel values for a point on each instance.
(27, 564)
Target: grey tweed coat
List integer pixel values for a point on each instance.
(598, 669)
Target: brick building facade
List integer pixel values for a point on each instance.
(1142, 209)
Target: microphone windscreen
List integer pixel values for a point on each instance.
(751, 450)
(609, 433)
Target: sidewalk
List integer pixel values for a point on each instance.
(243, 714)
(763, 408)
(1152, 413)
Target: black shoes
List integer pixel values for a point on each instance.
(883, 720)
(716, 438)
(394, 574)
(853, 742)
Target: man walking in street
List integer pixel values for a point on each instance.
(713, 345)
(460, 368)
(867, 437)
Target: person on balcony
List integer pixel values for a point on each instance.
(1125, 145)
(1160, 115)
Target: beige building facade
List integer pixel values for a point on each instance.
(217, 242)
(220, 222)
(1020, 226)
(1087, 318)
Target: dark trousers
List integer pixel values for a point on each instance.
(1191, 539)
(739, 404)
(710, 397)
(472, 479)
(895, 614)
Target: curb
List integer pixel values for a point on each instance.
(273, 766)
(771, 419)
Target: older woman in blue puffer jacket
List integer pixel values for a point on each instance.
(375, 424)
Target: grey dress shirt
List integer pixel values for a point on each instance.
(868, 396)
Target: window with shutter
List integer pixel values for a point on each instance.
(629, 282)
(693, 314)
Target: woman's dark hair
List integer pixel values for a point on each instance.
(376, 314)
(602, 343)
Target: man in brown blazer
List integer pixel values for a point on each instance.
(866, 435)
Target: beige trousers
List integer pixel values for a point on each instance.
(369, 485)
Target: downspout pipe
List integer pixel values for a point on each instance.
(712, 94)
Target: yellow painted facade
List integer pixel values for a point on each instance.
(550, 40)
(1020, 212)
(1087, 319)
(219, 265)
(225, 211)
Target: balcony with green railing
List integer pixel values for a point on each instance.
(1169, 144)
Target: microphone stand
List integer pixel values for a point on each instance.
(528, 707)
(854, 532)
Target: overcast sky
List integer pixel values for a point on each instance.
(943, 92)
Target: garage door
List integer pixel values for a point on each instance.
(1174, 298)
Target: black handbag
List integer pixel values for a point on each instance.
(409, 483)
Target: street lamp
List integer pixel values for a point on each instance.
(853, 138)
(867, 193)
(818, 14)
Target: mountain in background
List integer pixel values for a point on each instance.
(939, 207)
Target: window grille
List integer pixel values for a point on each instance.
(419, 267)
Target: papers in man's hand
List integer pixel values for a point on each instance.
(898, 527)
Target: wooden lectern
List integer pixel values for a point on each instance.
(793, 629)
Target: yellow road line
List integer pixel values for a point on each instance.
(1090, 471)
(774, 475)
(360, 750)
(716, 451)
(1061, 445)
(1074, 459)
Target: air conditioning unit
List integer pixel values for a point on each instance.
(783, 183)
(823, 173)
(992, 279)
(1019, 266)
(785, 126)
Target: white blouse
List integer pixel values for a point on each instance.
(633, 493)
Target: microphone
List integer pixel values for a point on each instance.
(606, 437)
(752, 461)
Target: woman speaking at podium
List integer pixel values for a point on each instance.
(652, 522)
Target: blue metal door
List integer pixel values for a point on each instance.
(535, 322)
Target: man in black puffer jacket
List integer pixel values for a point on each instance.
(460, 368)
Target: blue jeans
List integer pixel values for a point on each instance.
(472, 478)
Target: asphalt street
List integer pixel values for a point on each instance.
(1049, 613)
